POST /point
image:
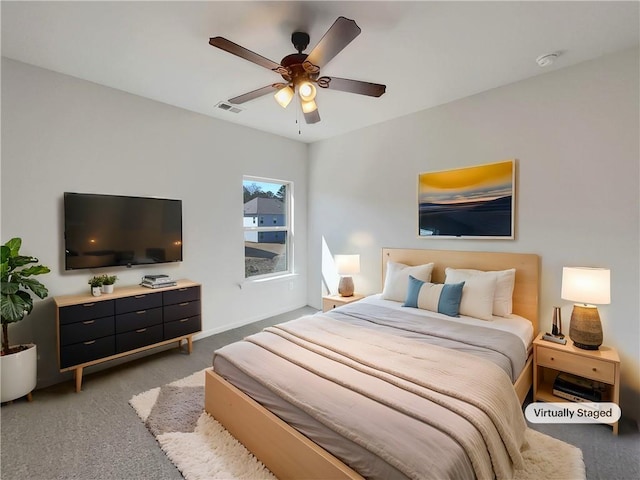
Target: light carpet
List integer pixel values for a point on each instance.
(201, 448)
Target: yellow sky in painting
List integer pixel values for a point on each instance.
(472, 183)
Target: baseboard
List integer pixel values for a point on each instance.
(242, 323)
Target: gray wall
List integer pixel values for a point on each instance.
(574, 133)
(63, 134)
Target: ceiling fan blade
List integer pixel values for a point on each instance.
(246, 97)
(339, 35)
(235, 49)
(312, 117)
(352, 86)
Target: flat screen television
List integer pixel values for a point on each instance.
(114, 230)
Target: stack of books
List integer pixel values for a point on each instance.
(157, 281)
(577, 389)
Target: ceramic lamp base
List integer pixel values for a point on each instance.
(345, 287)
(585, 328)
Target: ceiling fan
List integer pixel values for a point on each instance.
(301, 71)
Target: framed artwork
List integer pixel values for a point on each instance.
(470, 202)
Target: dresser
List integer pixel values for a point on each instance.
(92, 330)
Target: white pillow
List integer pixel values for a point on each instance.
(503, 296)
(477, 293)
(396, 282)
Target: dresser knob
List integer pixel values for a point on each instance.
(594, 369)
(552, 359)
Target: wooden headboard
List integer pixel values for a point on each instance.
(527, 265)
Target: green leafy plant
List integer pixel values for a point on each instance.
(17, 286)
(109, 279)
(96, 281)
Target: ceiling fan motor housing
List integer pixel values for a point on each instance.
(295, 71)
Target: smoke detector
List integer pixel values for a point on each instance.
(546, 60)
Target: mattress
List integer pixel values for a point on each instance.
(380, 315)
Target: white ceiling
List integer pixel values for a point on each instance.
(427, 53)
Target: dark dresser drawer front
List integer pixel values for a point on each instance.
(79, 353)
(86, 311)
(138, 302)
(181, 327)
(86, 330)
(138, 338)
(179, 295)
(138, 319)
(181, 310)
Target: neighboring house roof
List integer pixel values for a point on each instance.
(264, 206)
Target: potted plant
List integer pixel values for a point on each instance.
(96, 285)
(107, 283)
(19, 362)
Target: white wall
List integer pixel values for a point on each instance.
(575, 135)
(64, 134)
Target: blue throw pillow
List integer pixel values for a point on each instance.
(450, 297)
(441, 298)
(412, 292)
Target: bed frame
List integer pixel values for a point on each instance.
(291, 455)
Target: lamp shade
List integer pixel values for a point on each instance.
(307, 91)
(310, 106)
(586, 285)
(284, 96)
(347, 264)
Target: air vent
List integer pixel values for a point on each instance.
(228, 107)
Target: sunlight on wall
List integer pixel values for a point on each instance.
(330, 277)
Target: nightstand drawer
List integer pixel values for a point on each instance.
(592, 368)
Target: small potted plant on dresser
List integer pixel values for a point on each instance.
(19, 363)
(96, 285)
(107, 283)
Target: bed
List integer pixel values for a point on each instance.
(239, 385)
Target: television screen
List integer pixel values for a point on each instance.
(112, 230)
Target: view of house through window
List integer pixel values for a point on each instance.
(267, 226)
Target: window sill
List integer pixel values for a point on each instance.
(276, 278)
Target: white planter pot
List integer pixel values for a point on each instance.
(19, 373)
(107, 288)
(96, 291)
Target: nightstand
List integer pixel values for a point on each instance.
(551, 358)
(329, 302)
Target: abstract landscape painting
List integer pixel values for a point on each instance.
(470, 202)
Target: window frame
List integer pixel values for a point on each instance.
(287, 228)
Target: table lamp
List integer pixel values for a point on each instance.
(587, 286)
(347, 265)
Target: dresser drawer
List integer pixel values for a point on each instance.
(592, 368)
(181, 327)
(135, 303)
(86, 311)
(79, 353)
(138, 338)
(138, 319)
(181, 310)
(180, 295)
(86, 330)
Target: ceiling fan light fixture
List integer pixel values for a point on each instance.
(308, 107)
(307, 91)
(284, 96)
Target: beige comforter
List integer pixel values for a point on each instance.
(468, 399)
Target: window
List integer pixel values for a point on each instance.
(267, 227)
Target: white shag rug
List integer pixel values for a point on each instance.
(202, 449)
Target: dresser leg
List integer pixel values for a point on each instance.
(78, 377)
(29, 397)
(190, 344)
